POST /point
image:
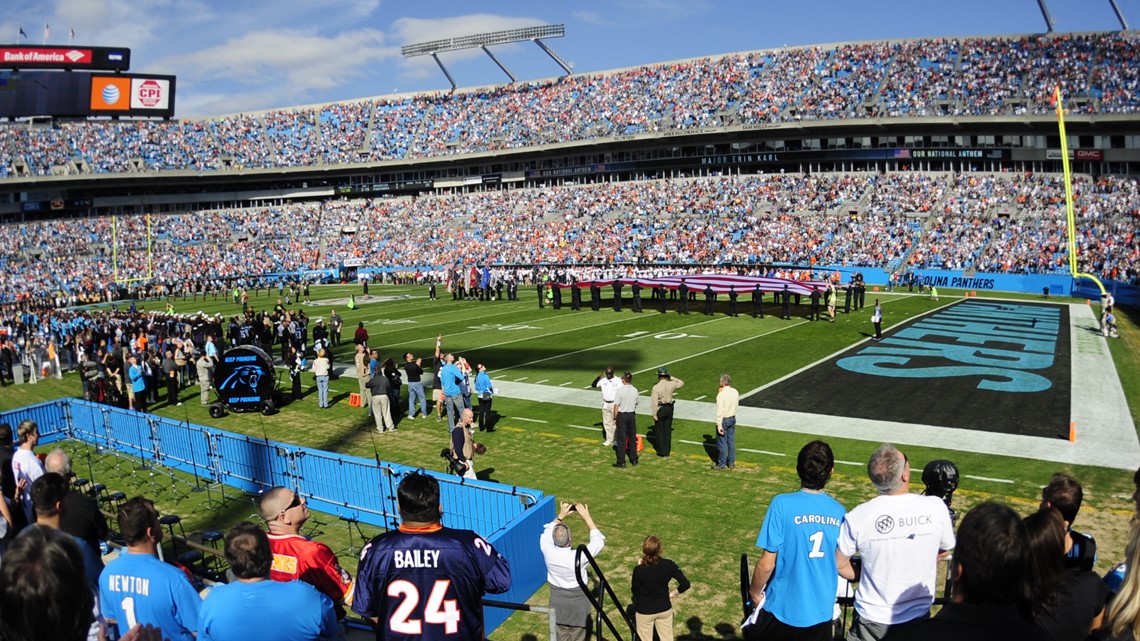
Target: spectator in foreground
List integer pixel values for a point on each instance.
(1064, 494)
(297, 557)
(989, 603)
(137, 587)
(566, 597)
(794, 581)
(901, 537)
(1122, 621)
(253, 604)
(450, 566)
(1067, 603)
(652, 598)
(43, 590)
(80, 516)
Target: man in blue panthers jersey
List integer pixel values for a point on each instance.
(425, 581)
(138, 588)
(796, 578)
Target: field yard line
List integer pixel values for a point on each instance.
(986, 478)
(566, 383)
(709, 351)
(590, 349)
(573, 329)
(529, 420)
(541, 382)
(745, 449)
(451, 314)
(849, 463)
(583, 427)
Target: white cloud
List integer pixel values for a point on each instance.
(590, 17)
(283, 66)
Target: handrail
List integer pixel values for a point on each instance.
(597, 602)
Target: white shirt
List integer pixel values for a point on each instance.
(609, 387)
(25, 465)
(899, 538)
(560, 561)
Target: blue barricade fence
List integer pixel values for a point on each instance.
(353, 488)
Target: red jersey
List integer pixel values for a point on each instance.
(296, 557)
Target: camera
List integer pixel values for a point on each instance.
(453, 463)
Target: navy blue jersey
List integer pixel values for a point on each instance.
(428, 583)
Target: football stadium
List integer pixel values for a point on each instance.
(656, 288)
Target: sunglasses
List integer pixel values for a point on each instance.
(296, 503)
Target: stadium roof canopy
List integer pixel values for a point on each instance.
(483, 40)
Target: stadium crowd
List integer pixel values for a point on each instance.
(897, 79)
(999, 223)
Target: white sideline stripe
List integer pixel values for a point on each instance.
(700, 397)
(566, 383)
(849, 463)
(986, 478)
(529, 420)
(583, 427)
(745, 449)
(541, 382)
(519, 380)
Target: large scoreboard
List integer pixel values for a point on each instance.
(79, 94)
(60, 57)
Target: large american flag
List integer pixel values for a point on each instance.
(720, 283)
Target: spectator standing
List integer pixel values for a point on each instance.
(48, 493)
(170, 378)
(395, 382)
(320, 369)
(609, 386)
(378, 387)
(877, 320)
(362, 377)
(9, 495)
(26, 466)
(652, 597)
(566, 596)
(456, 566)
(462, 443)
(901, 537)
(80, 516)
(485, 392)
(205, 368)
(296, 557)
(1065, 494)
(138, 384)
(625, 416)
(296, 364)
(336, 325)
(413, 367)
(451, 382)
(136, 587)
(727, 404)
(242, 610)
(794, 580)
(661, 402)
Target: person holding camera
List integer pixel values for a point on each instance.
(463, 447)
(566, 596)
(486, 393)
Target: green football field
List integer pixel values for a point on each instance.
(549, 438)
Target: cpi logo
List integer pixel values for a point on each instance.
(149, 93)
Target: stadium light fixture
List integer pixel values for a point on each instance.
(484, 40)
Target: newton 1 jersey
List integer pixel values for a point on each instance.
(428, 583)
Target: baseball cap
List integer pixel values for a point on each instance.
(662, 372)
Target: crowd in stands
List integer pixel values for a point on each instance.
(897, 79)
(995, 223)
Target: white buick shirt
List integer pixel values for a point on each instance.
(899, 538)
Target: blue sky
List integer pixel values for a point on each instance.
(242, 55)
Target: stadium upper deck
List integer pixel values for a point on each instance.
(907, 81)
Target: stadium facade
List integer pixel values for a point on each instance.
(966, 105)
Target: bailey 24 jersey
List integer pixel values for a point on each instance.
(428, 583)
